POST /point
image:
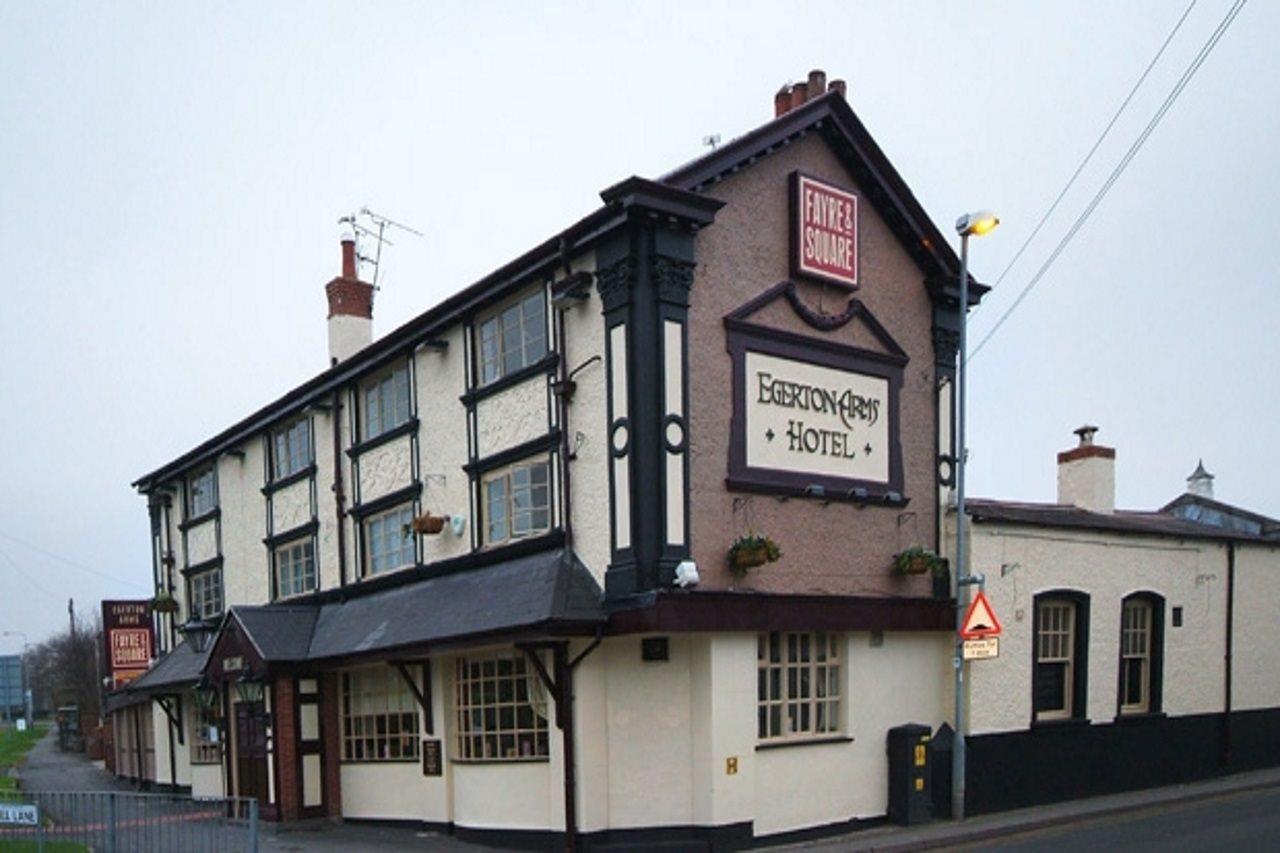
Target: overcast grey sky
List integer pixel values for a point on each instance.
(171, 176)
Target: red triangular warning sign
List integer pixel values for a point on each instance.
(980, 621)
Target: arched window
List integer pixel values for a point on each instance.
(1061, 661)
(1141, 653)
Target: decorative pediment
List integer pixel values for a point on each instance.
(751, 315)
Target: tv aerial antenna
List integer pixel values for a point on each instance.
(374, 226)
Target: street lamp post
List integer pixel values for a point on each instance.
(969, 225)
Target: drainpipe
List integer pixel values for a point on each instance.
(1226, 703)
(339, 498)
(562, 392)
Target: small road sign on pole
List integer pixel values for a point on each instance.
(983, 649)
(980, 621)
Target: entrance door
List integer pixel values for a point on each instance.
(251, 751)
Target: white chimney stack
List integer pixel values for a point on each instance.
(1200, 483)
(1087, 474)
(350, 308)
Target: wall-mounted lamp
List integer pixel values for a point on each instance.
(249, 689)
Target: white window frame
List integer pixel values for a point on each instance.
(1137, 615)
(291, 449)
(393, 522)
(380, 718)
(799, 685)
(204, 588)
(502, 710)
(512, 337)
(387, 402)
(511, 495)
(1055, 643)
(292, 557)
(197, 493)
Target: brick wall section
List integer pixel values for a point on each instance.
(286, 748)
(331, 749)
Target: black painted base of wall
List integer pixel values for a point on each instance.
(1070, 760)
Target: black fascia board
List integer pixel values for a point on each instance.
(636, 192)
(582, 235)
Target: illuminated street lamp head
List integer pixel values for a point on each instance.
(976, 224)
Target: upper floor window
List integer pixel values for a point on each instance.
(295, 568)
(291, 449)
(513, 338)
(202, 493)
(1141, 639)
(388, 540)
(205, 594)
(379, 716)
(517, 502)
(797, 685)
(502, 710)
(1060, 656)
(386, 402)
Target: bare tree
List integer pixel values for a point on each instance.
(63, 670)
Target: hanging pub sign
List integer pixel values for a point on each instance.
(824, 232)
(127, 637)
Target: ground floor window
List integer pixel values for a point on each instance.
(502, 710)
(797, 685)
(1141, 650)
(205, 734)
(379, 716)
(1061, 650)
(295, 568)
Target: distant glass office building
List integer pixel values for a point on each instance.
(11, 693)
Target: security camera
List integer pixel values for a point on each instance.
(686, 574)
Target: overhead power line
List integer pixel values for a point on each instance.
(1097, 144)
(72, 563)
(1169, 100)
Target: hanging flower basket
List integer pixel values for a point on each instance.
(919, 561)
(428, 524)
(164, 603)
(750, 551)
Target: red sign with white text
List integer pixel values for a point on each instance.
(824, 232)
(126, 631)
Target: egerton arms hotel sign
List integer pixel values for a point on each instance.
(126, 629)
(824, 238)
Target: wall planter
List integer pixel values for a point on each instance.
(750, 551)
(428, 524)
(918, 561)
(164, 603)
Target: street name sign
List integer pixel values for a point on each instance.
(19, 814)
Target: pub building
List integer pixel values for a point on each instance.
(611, 548)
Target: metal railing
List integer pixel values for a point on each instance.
(123, 822)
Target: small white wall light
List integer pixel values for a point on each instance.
(457, 523)
(686, 574)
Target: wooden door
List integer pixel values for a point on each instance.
(251, 751)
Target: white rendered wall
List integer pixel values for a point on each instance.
(385, 468)
(291, 507)
(512, 416)
(1255, 668)
(1108, 567)
(442, 442)
(243, 525)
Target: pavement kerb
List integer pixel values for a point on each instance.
(935, 836)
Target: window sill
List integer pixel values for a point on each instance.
(288, 480)
(277, 539)
(538, 759)
(408, 761)
(207, 565)
(392, 434)
(1069, 723)
(387, 501)
(546, 364)
(197, 520)
(214, 763)
(808, 741)
(1138, 718)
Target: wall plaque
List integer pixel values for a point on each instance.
(432, 760)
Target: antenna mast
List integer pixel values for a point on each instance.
(376, 230)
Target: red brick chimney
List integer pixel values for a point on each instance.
(794, 95)
(350, 308)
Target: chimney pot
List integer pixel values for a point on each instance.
(782, 101)
(837, 86)
(817, 82)
(799, 94)
(1200, 483)
(348, 256)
